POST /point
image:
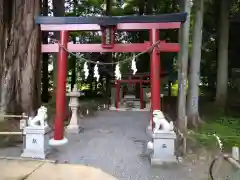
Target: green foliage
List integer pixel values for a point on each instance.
(226, 127)
(142, 7)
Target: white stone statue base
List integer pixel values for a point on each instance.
(36, 143)
(74, 129)
(163, 148)
(74, 125)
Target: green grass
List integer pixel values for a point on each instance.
(226, 127)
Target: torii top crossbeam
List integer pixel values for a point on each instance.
(112, 20)
(108, 26)
(92, 23)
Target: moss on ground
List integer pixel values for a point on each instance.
(226, 126)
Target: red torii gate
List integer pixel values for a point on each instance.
(132, 80)
(108, 26)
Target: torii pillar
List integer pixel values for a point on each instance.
(154, 73)
(59, 138)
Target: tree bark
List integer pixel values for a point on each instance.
(222, 71)
(45, 57)
(20, 56)
(3, 22)
(149, 6)
(182, 75)
(58, 11)
(73, 59)
(194, 76)
(109, 57)
(73, 67)
(183, 66)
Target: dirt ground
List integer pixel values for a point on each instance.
(38, 170)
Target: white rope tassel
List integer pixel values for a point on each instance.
(118, 72)
(134, 66)
(219, 142)
(96, 72)
(86, 70)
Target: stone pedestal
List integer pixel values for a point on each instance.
(163, 148)
(74, 124)
(37, 142)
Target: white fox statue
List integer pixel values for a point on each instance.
(40, 119)
(161, 124)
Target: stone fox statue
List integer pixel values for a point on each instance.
(40, 119)
(161, 124)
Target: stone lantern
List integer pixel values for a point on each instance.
(74, 124)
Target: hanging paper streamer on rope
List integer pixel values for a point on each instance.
(86, 70)
(134, 66)
(118, 72)
(96, 72)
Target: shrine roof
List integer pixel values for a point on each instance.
(113, 20)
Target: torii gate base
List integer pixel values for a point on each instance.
(66, 24)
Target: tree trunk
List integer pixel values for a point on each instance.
(183, 66)
(182, 73)
(169, 88)
(194, 76)
(149, 6)
(109, 57)
(73, 68)
(20, 60)
(4, 22)
(58, 11)
(222, 71)
(45, 57)
(73, 59)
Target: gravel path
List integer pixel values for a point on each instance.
(116, 143)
